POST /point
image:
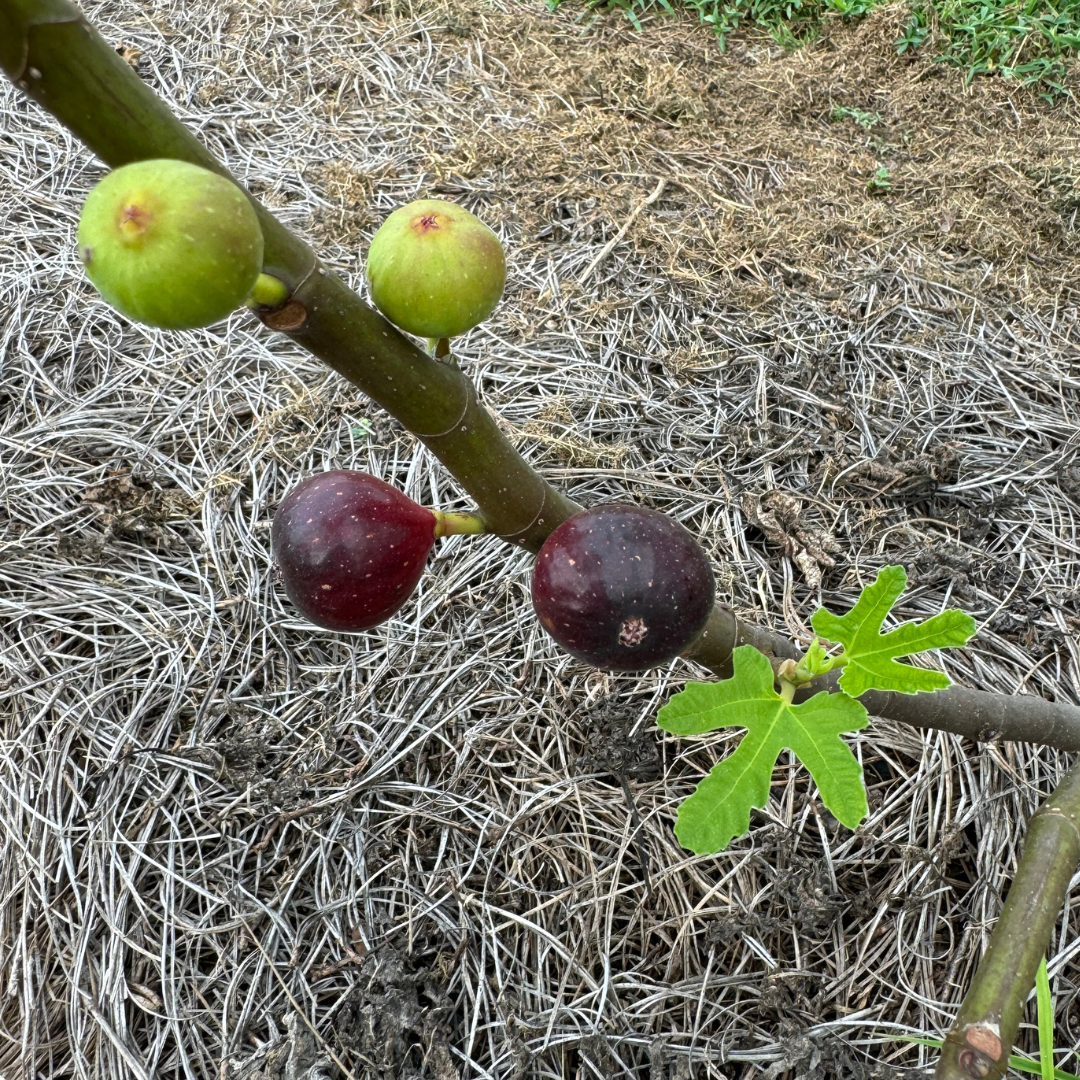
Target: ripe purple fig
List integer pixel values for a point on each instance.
(170, 244)
(435, 270)
(622, 587)
(351, 548)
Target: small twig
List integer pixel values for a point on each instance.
(977, 1046)
(610, 246)
(351, 957)
(286, 816)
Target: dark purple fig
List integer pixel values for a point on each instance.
(622, 587)
(350, 548)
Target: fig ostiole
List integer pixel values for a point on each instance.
(351, 548)
(435, 270)
(622, 587)
(170, 244)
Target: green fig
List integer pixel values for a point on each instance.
(435, 270)
(170, 244)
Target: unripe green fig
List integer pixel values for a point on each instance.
(170, 244)
(435, 270)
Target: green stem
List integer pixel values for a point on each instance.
(50, 52)
(978, 1044)
(268, 292)
(815, 663)
(447, 524)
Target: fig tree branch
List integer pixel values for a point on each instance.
(49, 51)
(976, 714)
(981, 1038)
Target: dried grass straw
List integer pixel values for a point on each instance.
(216, 820)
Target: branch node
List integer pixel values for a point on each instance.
(1046, 811)
(290, 317)
(973, 1064)
(470, 397)
(519, 537)
(984, 1039)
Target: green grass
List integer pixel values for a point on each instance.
(790, 22)
(1027, 41)
(1024, 41)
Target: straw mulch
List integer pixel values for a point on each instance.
(234, 847)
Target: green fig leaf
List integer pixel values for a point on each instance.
(815, 662)
(869, 655)
(720, 807)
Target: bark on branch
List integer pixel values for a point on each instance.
(981, 1038)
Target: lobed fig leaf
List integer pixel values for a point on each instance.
(719, 808)
(435, 270)
(170, 244)
(869, 655)
(622, 587)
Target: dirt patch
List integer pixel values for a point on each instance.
(772, 162)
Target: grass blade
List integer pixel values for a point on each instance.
(1044, 1003)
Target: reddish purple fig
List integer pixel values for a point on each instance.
(622, 587)
(352, 548)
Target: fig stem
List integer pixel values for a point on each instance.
(268, 291)
(51, 53)
(438, 347)
(980, 1040)
(447, 524)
